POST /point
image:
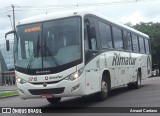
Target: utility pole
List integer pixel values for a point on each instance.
(13, 16)
(9, 16)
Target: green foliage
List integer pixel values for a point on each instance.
(6, 94)
(153, 30)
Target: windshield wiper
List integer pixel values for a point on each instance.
(50, 54)
(34, 54)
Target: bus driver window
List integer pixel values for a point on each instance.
(90, 40)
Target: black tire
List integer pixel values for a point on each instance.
(136, 84)
(54, 100)
(105, 87)
(130, 86)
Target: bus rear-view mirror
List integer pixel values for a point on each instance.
(7, 45)
(7, 41)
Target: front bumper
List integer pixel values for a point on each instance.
(63, 88)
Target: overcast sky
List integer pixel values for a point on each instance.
(120, 10)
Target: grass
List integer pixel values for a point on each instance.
(6, 94)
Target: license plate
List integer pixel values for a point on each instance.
(47, 96)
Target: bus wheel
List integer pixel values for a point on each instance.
(138, 82)
(54, 100)
(105, 87)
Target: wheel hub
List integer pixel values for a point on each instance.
(104, 87)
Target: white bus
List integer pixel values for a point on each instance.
(77, 53)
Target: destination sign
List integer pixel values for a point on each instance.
(32, 29)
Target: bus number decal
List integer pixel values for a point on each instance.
(31, 79)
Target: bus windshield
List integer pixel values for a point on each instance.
(49, 44)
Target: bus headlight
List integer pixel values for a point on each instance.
(74, 75)
(19, 80)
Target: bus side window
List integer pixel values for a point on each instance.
(90, 42)
(117, 37)
(93, 44)
(86, 39)
(90, 36)
(127, 40)
(147, 46)
(141, 45)
(135, 43)
(105, 35)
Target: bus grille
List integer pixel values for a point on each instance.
(41, 83)
(46, 91)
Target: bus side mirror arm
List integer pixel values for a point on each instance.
(7, 41)
(10, 32)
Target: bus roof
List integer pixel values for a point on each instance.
(70, 13)
(53, 15)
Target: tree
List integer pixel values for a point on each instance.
(153, 30)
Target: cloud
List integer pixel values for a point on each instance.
(134, 18)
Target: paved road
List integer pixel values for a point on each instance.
(147, 96)
(8, 88)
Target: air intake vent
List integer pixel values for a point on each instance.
(46, 91)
